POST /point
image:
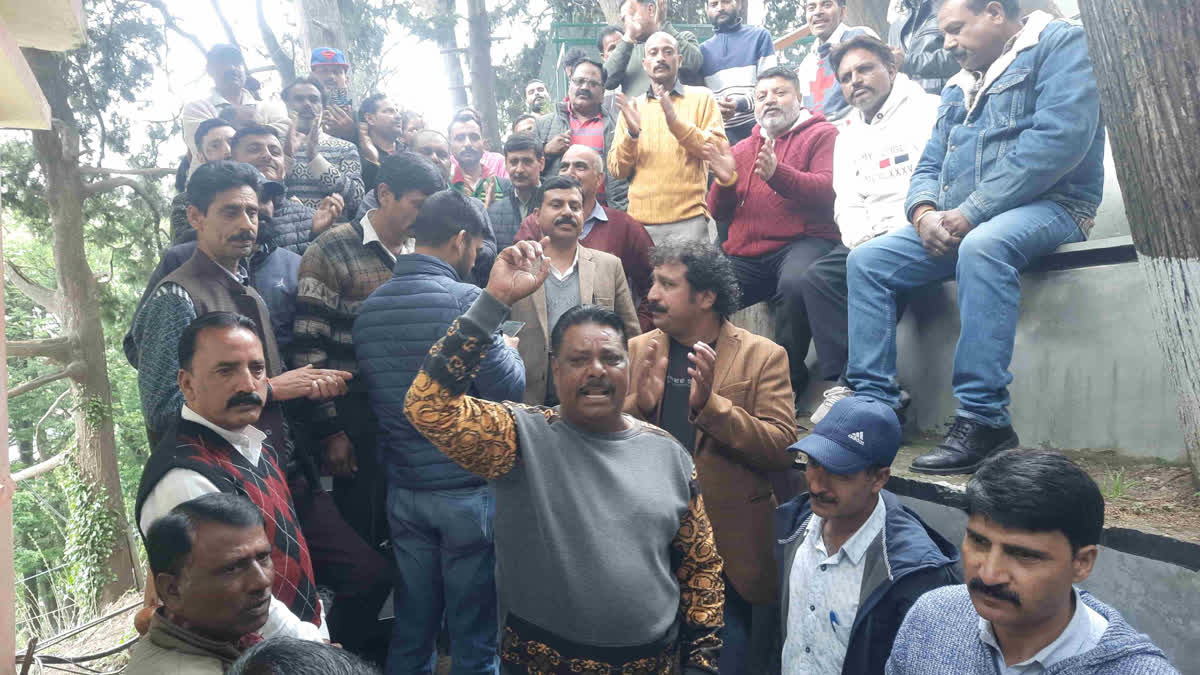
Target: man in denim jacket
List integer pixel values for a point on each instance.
(1012, 170)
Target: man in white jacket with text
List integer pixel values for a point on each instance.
(878, 146)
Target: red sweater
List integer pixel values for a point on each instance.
(621, 236)
(798, 200)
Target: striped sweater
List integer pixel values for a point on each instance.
(336, 275)
(733, 58)
(669, 178)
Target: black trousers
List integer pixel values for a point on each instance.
(362, 498)
(358, 574)
(805, 283)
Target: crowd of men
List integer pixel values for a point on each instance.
(504, 390)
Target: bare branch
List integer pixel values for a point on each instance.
(170, 23)
(283, 62)
(40, 468)
(58, 349)
(76, 369)
(216, 5)
(44, 297)
(154, 172)
(37, 428)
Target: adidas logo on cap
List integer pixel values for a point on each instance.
(857, 437)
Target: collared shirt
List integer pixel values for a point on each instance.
(825, 590)
(1082, 634)
(817, 79)
(567, 272)
(596, 216)
(370, 235)
(676, 88)
(180, 485)
(458, 182)
(587, 131)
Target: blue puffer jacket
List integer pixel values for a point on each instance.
(1034, 132)
(395, 328)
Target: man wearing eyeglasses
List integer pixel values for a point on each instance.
(582, 120)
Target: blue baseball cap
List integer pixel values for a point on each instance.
(857, 433)
(328, 56)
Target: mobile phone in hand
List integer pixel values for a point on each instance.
(340, 97)
(511, 328)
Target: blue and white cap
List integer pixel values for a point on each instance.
(857, 433)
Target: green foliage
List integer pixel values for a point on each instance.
(91, 532)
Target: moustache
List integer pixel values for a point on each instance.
(565, 220)
(245, 235)
(959, 54)
(244, 398)
(824, 499)
(583, 93)
(656, 308)
(1000, 592)
(597, 386)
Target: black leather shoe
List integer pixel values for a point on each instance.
(967, 445)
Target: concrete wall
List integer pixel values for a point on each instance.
(1087, 369)
(1158, 598)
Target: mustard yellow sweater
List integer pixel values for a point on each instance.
(669, 179)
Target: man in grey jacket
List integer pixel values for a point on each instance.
(583, 120)
(623, 67)
(1034, 520)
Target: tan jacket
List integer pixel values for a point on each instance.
(167, 648)
(741, 434)
(601, 282)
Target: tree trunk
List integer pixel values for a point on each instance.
(1146, 58)
(871, 13)
(323, 25)
(57, 153)
(447, 42)
(483, 76)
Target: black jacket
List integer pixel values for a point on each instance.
(917, 34)
(907, 559)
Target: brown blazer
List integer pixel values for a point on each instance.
(741, 434)
(601, 282)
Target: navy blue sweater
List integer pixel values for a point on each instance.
(395, 328)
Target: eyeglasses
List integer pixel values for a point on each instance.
(584, 82)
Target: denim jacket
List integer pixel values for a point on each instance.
(1033, 133)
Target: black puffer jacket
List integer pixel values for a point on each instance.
(292, 226)
(917, 34)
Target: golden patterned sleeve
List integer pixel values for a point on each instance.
(701, 587)
(480, 436)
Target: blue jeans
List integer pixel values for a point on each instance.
(987, 267)
(445, 567)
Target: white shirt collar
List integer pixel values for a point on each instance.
(370, 235)
(856, 546)
(1082, 634)
(248, 440)
(836, 37)
(569, 271)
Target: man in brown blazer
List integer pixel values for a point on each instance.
(726, 395)
(578, 276)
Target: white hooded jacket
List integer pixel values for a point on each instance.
(872, 163)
